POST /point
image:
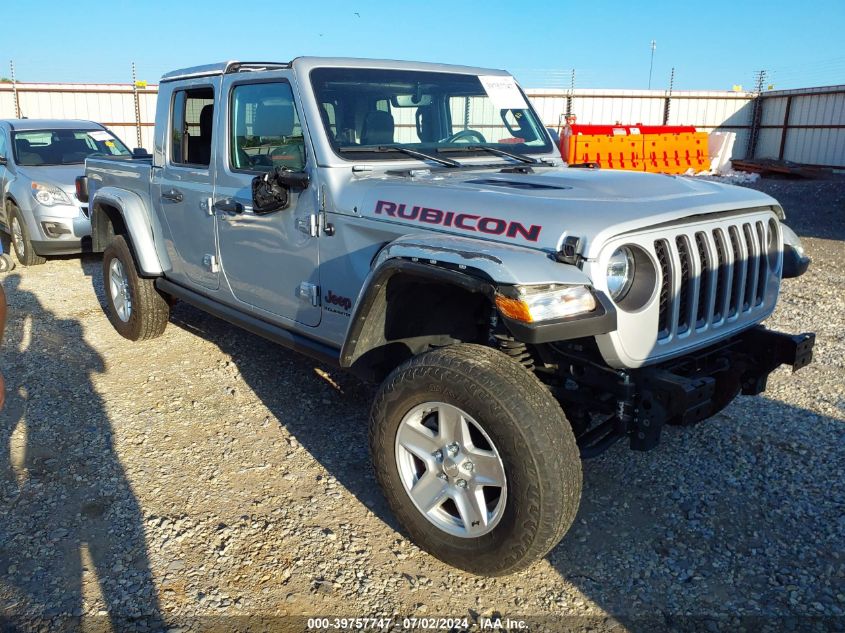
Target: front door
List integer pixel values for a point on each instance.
(185, 184)
(270, 261)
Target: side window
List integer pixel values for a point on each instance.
(264, 128)
(191, 129)
(3, 152)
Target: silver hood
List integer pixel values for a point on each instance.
(539, 210)
(62, 176)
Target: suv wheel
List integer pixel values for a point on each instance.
(21, 241)
(6, 263)
(135, 308)
(476, 458)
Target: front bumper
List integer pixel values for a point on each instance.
(694, 387)
(62, 246)
(71, 232)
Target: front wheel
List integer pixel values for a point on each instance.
(21, 240)
(476, 458)
(135, 308)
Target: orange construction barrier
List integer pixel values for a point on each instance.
(655, 148)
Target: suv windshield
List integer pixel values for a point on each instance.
(63, 147)
(367, 111)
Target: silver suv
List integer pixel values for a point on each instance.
(413, 223)
(39, 162)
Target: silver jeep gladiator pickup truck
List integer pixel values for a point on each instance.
(414, 224)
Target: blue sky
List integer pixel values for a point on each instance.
(712, 45)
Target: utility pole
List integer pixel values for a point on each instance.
(15, 90)
(668, 102)
(756, 114)
(570, 94)
(651, 65)
(137, 107)
(760, 80)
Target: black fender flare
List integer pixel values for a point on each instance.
(369, 314)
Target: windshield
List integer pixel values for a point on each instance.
(367, 111)
(63, 147)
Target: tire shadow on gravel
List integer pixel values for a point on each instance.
(325, 409)
(71, 526)
(730, 524)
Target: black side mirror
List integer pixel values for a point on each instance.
(293, 179)
(271, 191)
(140, 152)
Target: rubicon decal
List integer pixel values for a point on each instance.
(464, 221)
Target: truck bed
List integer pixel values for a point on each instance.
(132, 174)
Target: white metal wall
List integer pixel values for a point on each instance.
(112, 105)
(815, 127)
(804, 126)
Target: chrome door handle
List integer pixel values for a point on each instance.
(173, 195)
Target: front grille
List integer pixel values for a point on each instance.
(685, 295)
(662, 250)
(711, 276)
(703, 289)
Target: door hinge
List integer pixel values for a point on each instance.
(210, 262)
(309, 292)
(309, 225)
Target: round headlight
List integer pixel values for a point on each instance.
(44, 197)
(620, 272)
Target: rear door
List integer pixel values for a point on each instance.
(185, 184)
(270, 261)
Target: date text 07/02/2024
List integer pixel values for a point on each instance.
(416, 623)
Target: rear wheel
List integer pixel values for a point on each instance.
(134, 307)
(21, 241)
(476, 458)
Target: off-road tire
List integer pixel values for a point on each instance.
(150, 310)
(6, 263)
(27, 256)
(530, 431)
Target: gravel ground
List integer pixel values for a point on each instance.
(209, 474)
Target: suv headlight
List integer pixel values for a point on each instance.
(620, 272)
(48, 195)
(543, 303)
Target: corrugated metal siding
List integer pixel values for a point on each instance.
(703, 109)
(113, 104)
(814, 132)
(768, 143)
(816, 147)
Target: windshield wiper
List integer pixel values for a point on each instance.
(448, 162)
(522, 158)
